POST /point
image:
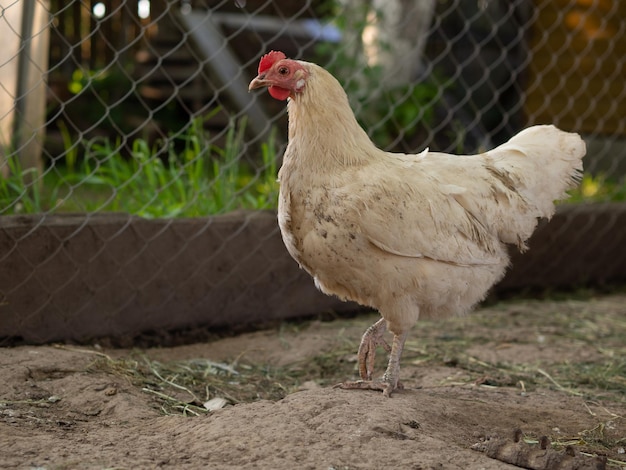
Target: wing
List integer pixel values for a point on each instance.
(413, 212)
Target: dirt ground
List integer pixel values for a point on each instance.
(554, 368)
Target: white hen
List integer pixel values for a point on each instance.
(410, 235)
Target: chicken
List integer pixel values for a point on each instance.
(412, 236)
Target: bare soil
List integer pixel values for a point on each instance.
(549, 368)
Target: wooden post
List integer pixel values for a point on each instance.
(23, 69)
(400, 34)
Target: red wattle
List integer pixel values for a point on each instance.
(279, 93)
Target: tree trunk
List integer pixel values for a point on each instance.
(24, 59)
(400, 32)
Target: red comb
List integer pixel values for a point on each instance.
(270, 59)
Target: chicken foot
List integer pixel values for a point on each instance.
(372, 338)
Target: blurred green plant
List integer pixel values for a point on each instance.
(598, 189)
(20, 191)
(186, 176)
(389, 113)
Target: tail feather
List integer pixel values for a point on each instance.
(539, 164)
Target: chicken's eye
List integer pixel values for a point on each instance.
(283, 70)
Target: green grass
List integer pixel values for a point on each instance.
(21, 191)
(185, 176)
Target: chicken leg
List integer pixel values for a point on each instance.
(372, 338)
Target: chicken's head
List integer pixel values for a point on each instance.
(283, 77)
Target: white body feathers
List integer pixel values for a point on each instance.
(410, 234)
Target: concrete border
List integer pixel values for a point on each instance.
(77, 277)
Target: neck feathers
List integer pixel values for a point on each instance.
(322, 124)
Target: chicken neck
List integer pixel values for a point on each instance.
(323, 128)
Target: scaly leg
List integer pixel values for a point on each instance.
(392, 374)
(371, 339)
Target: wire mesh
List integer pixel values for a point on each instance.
(141, 106)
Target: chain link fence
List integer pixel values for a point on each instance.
(139, 108)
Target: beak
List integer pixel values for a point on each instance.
(258, 82)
